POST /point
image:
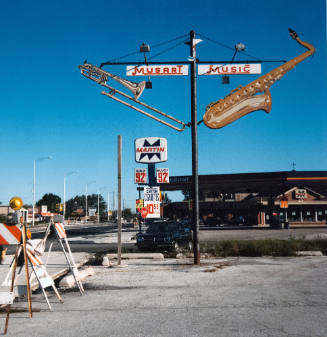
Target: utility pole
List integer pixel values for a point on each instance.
(194, 126)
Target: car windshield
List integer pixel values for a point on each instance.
(159, 227)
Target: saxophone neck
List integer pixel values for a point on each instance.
(310, 47)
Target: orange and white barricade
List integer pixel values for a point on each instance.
(40, 272)
(61, 234)
(10, 234)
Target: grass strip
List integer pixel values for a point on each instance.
(262, 247)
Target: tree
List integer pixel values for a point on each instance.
(78, 202)
(127, 214)
(50, 200)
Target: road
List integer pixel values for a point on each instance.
(99, 238)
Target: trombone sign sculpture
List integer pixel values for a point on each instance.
(101, 77)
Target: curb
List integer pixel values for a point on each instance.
(132, 256)
(309, 253)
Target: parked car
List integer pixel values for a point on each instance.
(237, 221)
(213, 222)
(165, 236)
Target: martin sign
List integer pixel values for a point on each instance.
(150, 150)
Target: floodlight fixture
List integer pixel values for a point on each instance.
(240, 46)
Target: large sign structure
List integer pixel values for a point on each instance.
(150, 150)
(218, 114)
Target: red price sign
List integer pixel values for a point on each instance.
(140, 176)
(162, 175)
(144, 212)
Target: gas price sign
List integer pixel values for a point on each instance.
(140, 176)
(152, 201)
(162, 175)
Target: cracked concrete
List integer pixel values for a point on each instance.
(247, 297)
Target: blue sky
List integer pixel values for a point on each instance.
(48, 108)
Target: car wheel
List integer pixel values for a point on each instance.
(175, 246)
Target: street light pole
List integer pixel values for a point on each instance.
(34, 183)
(91, 182)
(65, 177)
(108, 206)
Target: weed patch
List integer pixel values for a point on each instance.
(262, 247)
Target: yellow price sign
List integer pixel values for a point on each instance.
(139, 203)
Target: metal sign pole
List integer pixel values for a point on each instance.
(29, 297)
(119, 198)
(194, 124)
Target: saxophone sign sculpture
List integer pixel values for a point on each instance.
(243, 100)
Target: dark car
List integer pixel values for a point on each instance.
(165, 236)
(213, 222)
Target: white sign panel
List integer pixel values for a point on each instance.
(300, 193)
(150, 150)
(92, 211)
(140, 176)
(7, 297)
(152, 201)
(44, 209)
(157, 70)
(162, 175)
(229, 69)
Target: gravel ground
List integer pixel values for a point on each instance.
(226, 297)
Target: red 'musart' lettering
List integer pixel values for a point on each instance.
(157, 70)
(212, 69)
(149, 70)
(138, 71)
(179, 69)
(166, 70)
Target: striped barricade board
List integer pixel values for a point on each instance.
(10, 234)
(60, 228)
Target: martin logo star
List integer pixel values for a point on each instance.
(148, 145)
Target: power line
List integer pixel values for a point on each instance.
(153, 47)
(227, 47)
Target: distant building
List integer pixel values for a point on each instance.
(254, 196)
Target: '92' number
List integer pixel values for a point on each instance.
(140, 177)
(162, 177)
